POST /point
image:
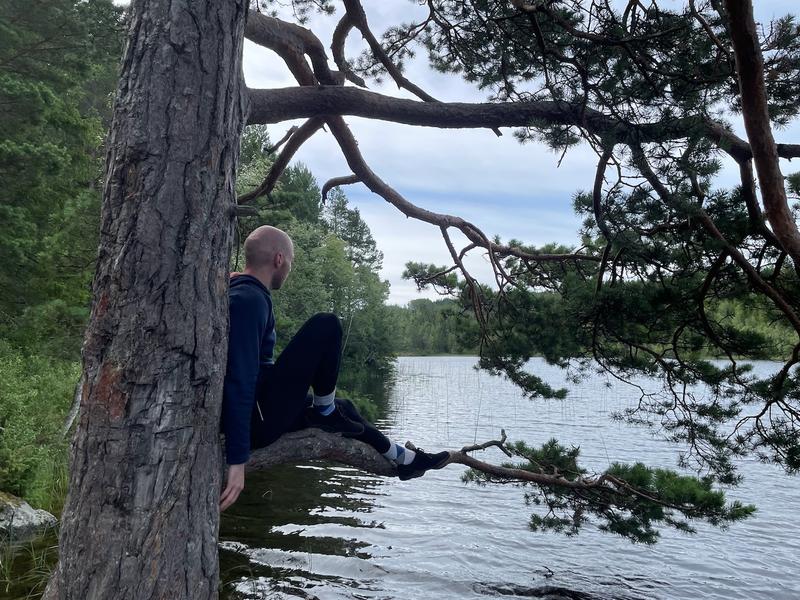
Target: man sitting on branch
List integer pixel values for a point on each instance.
(265, 398)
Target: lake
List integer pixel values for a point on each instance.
(328, 532)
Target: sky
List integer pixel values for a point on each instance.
(505, 188)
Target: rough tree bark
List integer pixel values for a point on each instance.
(141, 518)
(755, 114)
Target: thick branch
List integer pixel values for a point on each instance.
(315, 444)
(290, 39)
(276, 105)
(755, 112)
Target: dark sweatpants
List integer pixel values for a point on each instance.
(310, 360)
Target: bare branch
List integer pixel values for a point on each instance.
(297, 139)
(356, 162)
(338, 40)
(336, 182)
(501, 443)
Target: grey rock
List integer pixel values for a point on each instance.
(19, 520)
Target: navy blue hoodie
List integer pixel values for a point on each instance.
(251, 341)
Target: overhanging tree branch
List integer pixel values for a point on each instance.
(269, 106)
(609, 489)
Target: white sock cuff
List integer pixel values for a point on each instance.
(391, 453)
(325, 400)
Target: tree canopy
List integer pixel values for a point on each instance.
(58, 63)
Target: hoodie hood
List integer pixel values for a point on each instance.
(239, 279)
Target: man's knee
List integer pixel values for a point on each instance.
(329, 322)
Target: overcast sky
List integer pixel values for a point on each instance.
(505, 188)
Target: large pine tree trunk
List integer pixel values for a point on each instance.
(141, 518)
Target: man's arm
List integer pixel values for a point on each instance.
(247, 322)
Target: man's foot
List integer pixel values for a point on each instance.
(335, 422)
(422, 462)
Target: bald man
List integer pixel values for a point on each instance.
(264, 398)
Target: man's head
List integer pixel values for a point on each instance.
(268, 256)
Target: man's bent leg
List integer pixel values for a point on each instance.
(313, 355)
(310, 360)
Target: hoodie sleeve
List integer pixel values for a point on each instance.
(248, 320)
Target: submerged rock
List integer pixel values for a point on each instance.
(19, 520)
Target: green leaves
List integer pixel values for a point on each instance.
(35, 394)
(57, 70)
(630, 500)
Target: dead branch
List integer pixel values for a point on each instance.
(336, 182)
(296, 140)
(501, 443)
(338, 40)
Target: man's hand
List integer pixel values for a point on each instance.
(234, 487)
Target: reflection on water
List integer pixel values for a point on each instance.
(314, 531)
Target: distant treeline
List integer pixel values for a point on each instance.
(429, 327)
(426, 327)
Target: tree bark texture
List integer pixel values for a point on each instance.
(141, 517)
(755, 113)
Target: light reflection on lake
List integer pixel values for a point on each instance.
(331, 532)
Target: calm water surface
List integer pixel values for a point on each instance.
(328, 532)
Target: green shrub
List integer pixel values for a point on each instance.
(35, 397)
